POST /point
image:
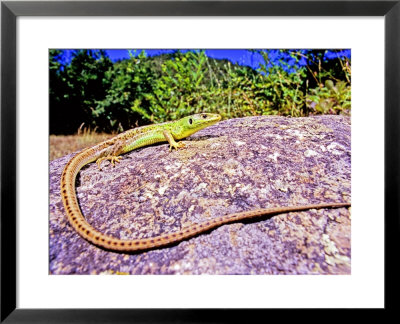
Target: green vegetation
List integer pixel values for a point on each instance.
(109, 96)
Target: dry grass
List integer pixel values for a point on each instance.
(61, 145)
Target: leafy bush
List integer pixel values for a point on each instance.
(130, 81)
(76, 88)
(117, 96)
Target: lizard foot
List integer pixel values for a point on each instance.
(176, 146)
(113, 159)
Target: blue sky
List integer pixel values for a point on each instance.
(240, 56)
(233, 55)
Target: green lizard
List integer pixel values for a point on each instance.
(130, 140)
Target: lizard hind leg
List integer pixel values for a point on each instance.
(113, 154)
(113, 159)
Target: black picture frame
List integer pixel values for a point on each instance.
(10, 10)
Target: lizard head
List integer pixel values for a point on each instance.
(191, 124)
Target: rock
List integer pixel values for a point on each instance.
(235, 165)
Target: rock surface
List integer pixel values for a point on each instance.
(235, 165)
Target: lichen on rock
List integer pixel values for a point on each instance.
(233, 166)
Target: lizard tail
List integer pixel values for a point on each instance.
(79, 223)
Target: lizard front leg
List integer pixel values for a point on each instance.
(172, 144)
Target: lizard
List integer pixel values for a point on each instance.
(139, 137)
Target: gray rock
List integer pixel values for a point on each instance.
(235, 165)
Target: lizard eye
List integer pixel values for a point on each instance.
(204, 116)
(190, 121)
